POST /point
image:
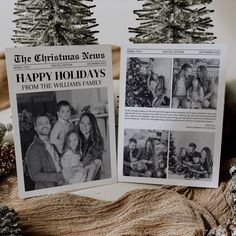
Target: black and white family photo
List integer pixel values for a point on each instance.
(145, 153)
(190, 155)
(64, 137)
(195, 83)
(148, 82)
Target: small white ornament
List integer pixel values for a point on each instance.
(8, 138)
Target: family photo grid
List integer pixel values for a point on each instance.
(187, 83)
(168, 154)
(171, 83)
(171, 113)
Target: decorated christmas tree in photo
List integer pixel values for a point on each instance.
(54, 22)
(173, 21)
(172, 154)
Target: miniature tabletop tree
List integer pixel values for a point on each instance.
(54, 22)
(173, 21)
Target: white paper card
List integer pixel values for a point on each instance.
(171, 114)
(63, 117)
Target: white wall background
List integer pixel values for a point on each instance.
(115, 16)
(141, 135)
(84, 97)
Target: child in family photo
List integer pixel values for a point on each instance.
(195, 94)
(182, 156)
(159, 159)
(62, 126)
(71, 160)
(194, 168)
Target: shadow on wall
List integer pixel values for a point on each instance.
(229, 127)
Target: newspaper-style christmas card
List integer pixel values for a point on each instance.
(63, 117)
(171, 114)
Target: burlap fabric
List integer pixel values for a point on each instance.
(164, 211)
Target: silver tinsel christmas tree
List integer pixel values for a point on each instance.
(173, 21)
(54, 22)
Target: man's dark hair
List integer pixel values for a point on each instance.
(197, 154)
(193, 145)
(185, 66)
(39, 115)
(133, 140)
(62, 103)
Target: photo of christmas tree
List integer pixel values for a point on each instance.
(148, 82)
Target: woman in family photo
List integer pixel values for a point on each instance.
(92, 144)
(156, 84)
(195, 84)
(210, 87)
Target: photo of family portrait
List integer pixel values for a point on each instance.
(195, 83)
(148, 82)
(64, 137)
(145, 153)
(190, 155)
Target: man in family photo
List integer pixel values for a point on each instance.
(131, 155)
(181, 83)
(43, 157)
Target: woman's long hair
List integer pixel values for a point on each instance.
(95, 136)
(208, 159)
(161, 87)
(199, 86)
(204, 80)
(180, 153)
(149, 151)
